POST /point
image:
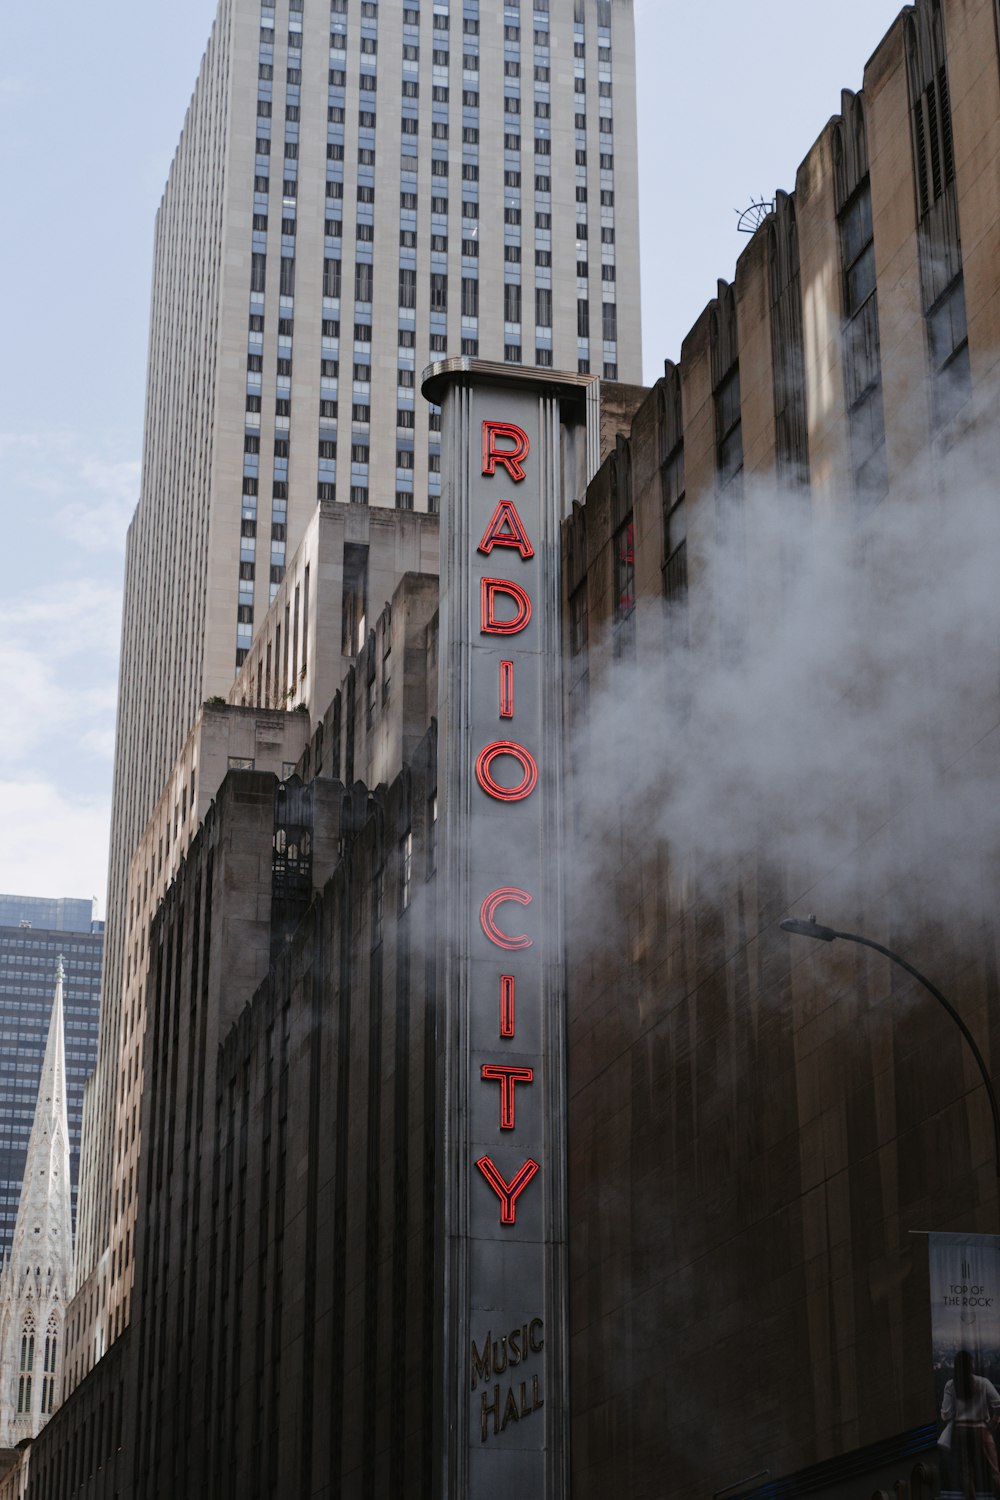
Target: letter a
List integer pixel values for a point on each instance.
(506, 529)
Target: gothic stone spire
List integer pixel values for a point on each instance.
(35, 1283)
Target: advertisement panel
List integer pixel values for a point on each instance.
(965, 1335)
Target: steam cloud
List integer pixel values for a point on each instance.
(835, 709)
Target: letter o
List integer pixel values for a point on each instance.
(487, 781)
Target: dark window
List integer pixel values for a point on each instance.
(948, 348)
(728, 427)
(932, 143)
(331, 278)
(624, 544)
(862, 352)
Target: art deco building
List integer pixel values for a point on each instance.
(779, 696)
(357, 189)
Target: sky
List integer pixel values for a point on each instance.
(730, 99)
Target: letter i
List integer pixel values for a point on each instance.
(506, 1005)
(506, 690)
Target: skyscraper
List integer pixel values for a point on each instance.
(325, 232)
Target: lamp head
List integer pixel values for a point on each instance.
(808, 927)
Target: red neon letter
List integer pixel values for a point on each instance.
(506, 690)
(509, 457)
(507, 1077)
(507, 1192)
(489, 589)
(487, 781)
(487, 914)
(506, 529)
(506, 1005)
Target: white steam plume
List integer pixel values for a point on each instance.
(857, 718)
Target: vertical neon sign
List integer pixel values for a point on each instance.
(503, 1273)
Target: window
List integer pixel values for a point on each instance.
(609, 322)
(407, 287)
(674, 527)
(432, 822)
(355, 591)
(579, 620)
(862, 351)
(364, 277)
(858, 249)
(582, 318)
(948, 349)
(543, 307)
(331, 278)
(932, 142)
(470, 297)
(728, 426)
(624, 544)
(439, 291)
(512, 303)
(405, 870)
(378, 887)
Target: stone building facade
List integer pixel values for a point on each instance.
(755, 1125)
(762, 1126)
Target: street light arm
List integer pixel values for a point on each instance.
(853, 937)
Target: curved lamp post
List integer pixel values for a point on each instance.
(811, 928)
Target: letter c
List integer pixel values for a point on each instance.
(487, 917)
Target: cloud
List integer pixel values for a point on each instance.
(51, 845)
(16, 88)
(89, 491)
(57, 671)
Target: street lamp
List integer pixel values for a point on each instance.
(810, 928)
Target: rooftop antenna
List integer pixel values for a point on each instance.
(750, 219)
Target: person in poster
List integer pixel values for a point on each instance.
(965, 1329)
(970, 1408)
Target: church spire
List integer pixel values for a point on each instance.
(35, 1282)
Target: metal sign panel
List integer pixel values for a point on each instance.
(500, 785)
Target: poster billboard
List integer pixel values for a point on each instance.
(965, 1336)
